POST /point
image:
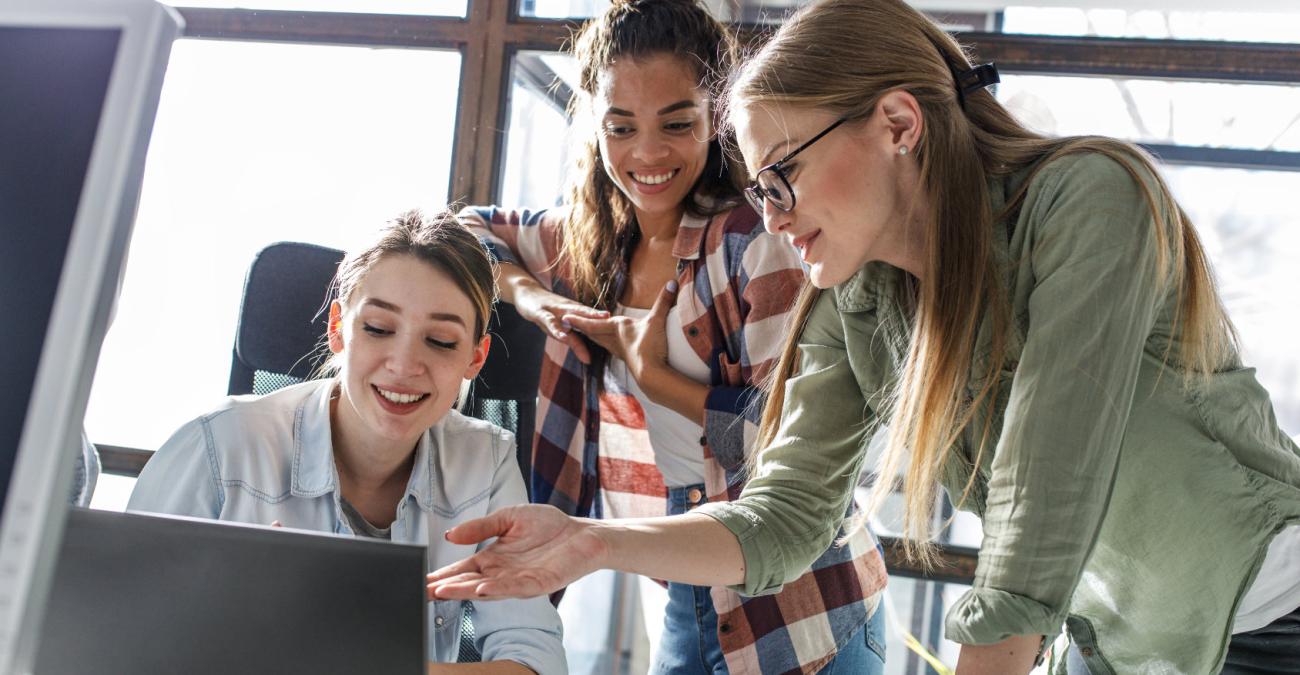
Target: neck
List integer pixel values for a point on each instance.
(367, 465)
(659, 226)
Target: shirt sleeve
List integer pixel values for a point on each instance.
(529, 239)
(1095, 298)
(790, 511)
(527, 631)
(765, 280)
(181, 477)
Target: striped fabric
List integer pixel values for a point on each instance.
(592, 454)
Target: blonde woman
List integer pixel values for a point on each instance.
(1036, 321)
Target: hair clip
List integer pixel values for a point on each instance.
(978, 77)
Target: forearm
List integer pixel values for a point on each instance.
(1012, 656)
(511, 279)
(691, 549)
(675, 391)
(489, 668)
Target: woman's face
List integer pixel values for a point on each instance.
(653, 127)
(851, 188)
(407, 341)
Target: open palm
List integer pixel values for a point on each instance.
(538, 550)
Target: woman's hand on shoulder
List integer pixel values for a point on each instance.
(547, 310)
(538, 550)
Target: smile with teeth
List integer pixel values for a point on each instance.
(401, 399)
(653, 179)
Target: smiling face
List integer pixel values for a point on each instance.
(852, 188)
(405, 340)
(654, 129)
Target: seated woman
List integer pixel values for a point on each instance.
(376, 450)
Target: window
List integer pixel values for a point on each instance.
(433, 7)
(256, 143)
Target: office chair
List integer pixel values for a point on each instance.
(279, 342)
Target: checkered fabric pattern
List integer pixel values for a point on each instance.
(592, 454)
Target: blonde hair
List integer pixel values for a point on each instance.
(601, 222)
(842, 56)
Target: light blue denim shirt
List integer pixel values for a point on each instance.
(257, 460)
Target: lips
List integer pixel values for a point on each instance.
(804, 243)
(397, 401)
(654, 181)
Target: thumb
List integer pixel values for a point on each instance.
(479, 529)
(667, 298)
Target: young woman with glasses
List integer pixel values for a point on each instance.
(664, 303)
(1036, 321)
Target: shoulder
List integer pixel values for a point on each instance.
(459, 435)
(1104, 180)
(740, 234)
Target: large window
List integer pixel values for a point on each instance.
(256, 143)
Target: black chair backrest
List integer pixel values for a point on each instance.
(283, 317)
(505, 392)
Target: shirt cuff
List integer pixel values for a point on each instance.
(763, 568)
(986, 616)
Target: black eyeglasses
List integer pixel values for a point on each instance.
(771, 183)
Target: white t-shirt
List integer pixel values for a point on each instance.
(675, 439)
(1276, 589)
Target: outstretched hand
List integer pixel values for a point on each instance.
(538, 550)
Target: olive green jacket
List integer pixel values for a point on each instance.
(1120, 499)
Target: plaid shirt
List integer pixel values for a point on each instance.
(592, 454)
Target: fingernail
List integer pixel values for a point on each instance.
(566, 325)
(561, 335)
(446, 534)
(672, 286)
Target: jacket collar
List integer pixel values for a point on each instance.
(314, 472)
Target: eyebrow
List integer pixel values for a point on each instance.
(680, 105)
(436, 316)
(773, 148)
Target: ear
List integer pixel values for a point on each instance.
(335, 329)
(901, 116)
(480, 357)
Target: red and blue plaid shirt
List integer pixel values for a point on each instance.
(592, 455)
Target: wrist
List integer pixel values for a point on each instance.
(605, 533)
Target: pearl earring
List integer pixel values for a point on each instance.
(902, 149)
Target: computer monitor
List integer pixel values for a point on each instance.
(79, 86)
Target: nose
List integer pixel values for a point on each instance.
(651, 147)
(774, 219)
(404, 358)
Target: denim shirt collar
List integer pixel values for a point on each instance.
(314, 472)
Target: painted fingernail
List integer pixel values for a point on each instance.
(446, 534)
(566, 325)
(672, 286)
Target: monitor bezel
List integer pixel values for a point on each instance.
(31, 524)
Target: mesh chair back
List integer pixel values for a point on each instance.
(505, 392)
(283, 317)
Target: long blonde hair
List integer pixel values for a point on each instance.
(841, 56)
(601, 222)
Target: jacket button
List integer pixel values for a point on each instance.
(704, 440)
(693, 331)
(725, 628)
(694, 495)
(438, 621)
(1086, 651)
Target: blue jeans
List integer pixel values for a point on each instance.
(690, 640)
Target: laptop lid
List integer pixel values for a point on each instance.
(135, 593)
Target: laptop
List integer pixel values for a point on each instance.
(136, 593)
